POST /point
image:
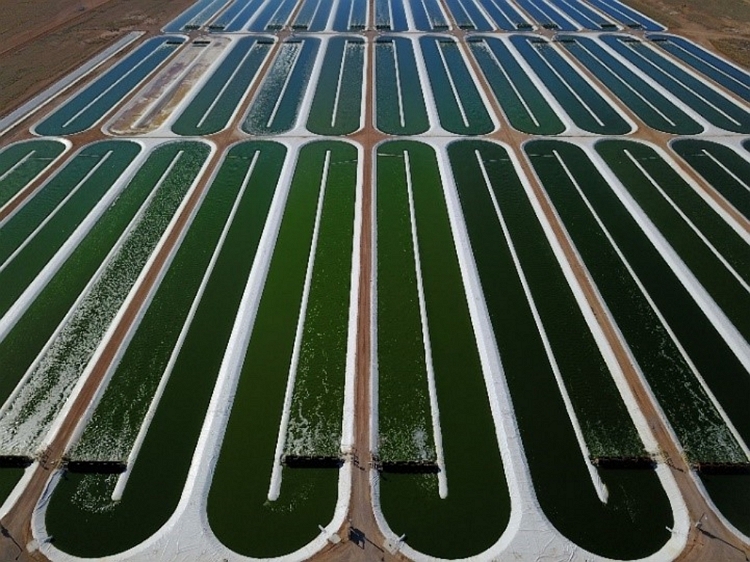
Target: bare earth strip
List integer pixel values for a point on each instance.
(44, 40)
(361, 519)
(723, 25)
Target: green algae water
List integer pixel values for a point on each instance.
(318, 397)
(67, 198)
(56, 212)
(154, 486)
(714, 251)
(399, 100)
(411, 503)
(637, 505)
(52, 379)
(9, 478)
(337, 106)
(605, 422)
(564, 169)
(239, 511)
(30, 331)
(523, 103)
(731, 494)
(113, 428)
(404, 414)
(723, 168)
(20, 163)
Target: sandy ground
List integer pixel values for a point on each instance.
(45, 39)
(722, 25)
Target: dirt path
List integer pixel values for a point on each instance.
(362, 538)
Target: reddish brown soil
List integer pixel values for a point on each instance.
(722, 25)
(43, 40)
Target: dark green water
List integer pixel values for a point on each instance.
(398, 92)
(638, 167)
(607, 427)
(318, 397)
(723, 168)
(68, 353)
(115, 422)
(239, 511)
(637, 505)
(81, 515)
(24, 341)
(9, 477)
(213, 106)
(731, 494)
(523, 103)
(20, 163)
(702, 432)
(589, 110)
(653, 108)
(464, 112)
(277, 102)
(411, 504)
(92, 172)
(404, 419)
(85, 190)
(337, 106)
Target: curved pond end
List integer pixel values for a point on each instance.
(475, 512)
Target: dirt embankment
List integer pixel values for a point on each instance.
(43, 40)
(723, 25)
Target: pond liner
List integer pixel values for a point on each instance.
(609, 463)
(721, 468)
(312, 461)
(409, 467)
(15, 461)
(97, 467)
